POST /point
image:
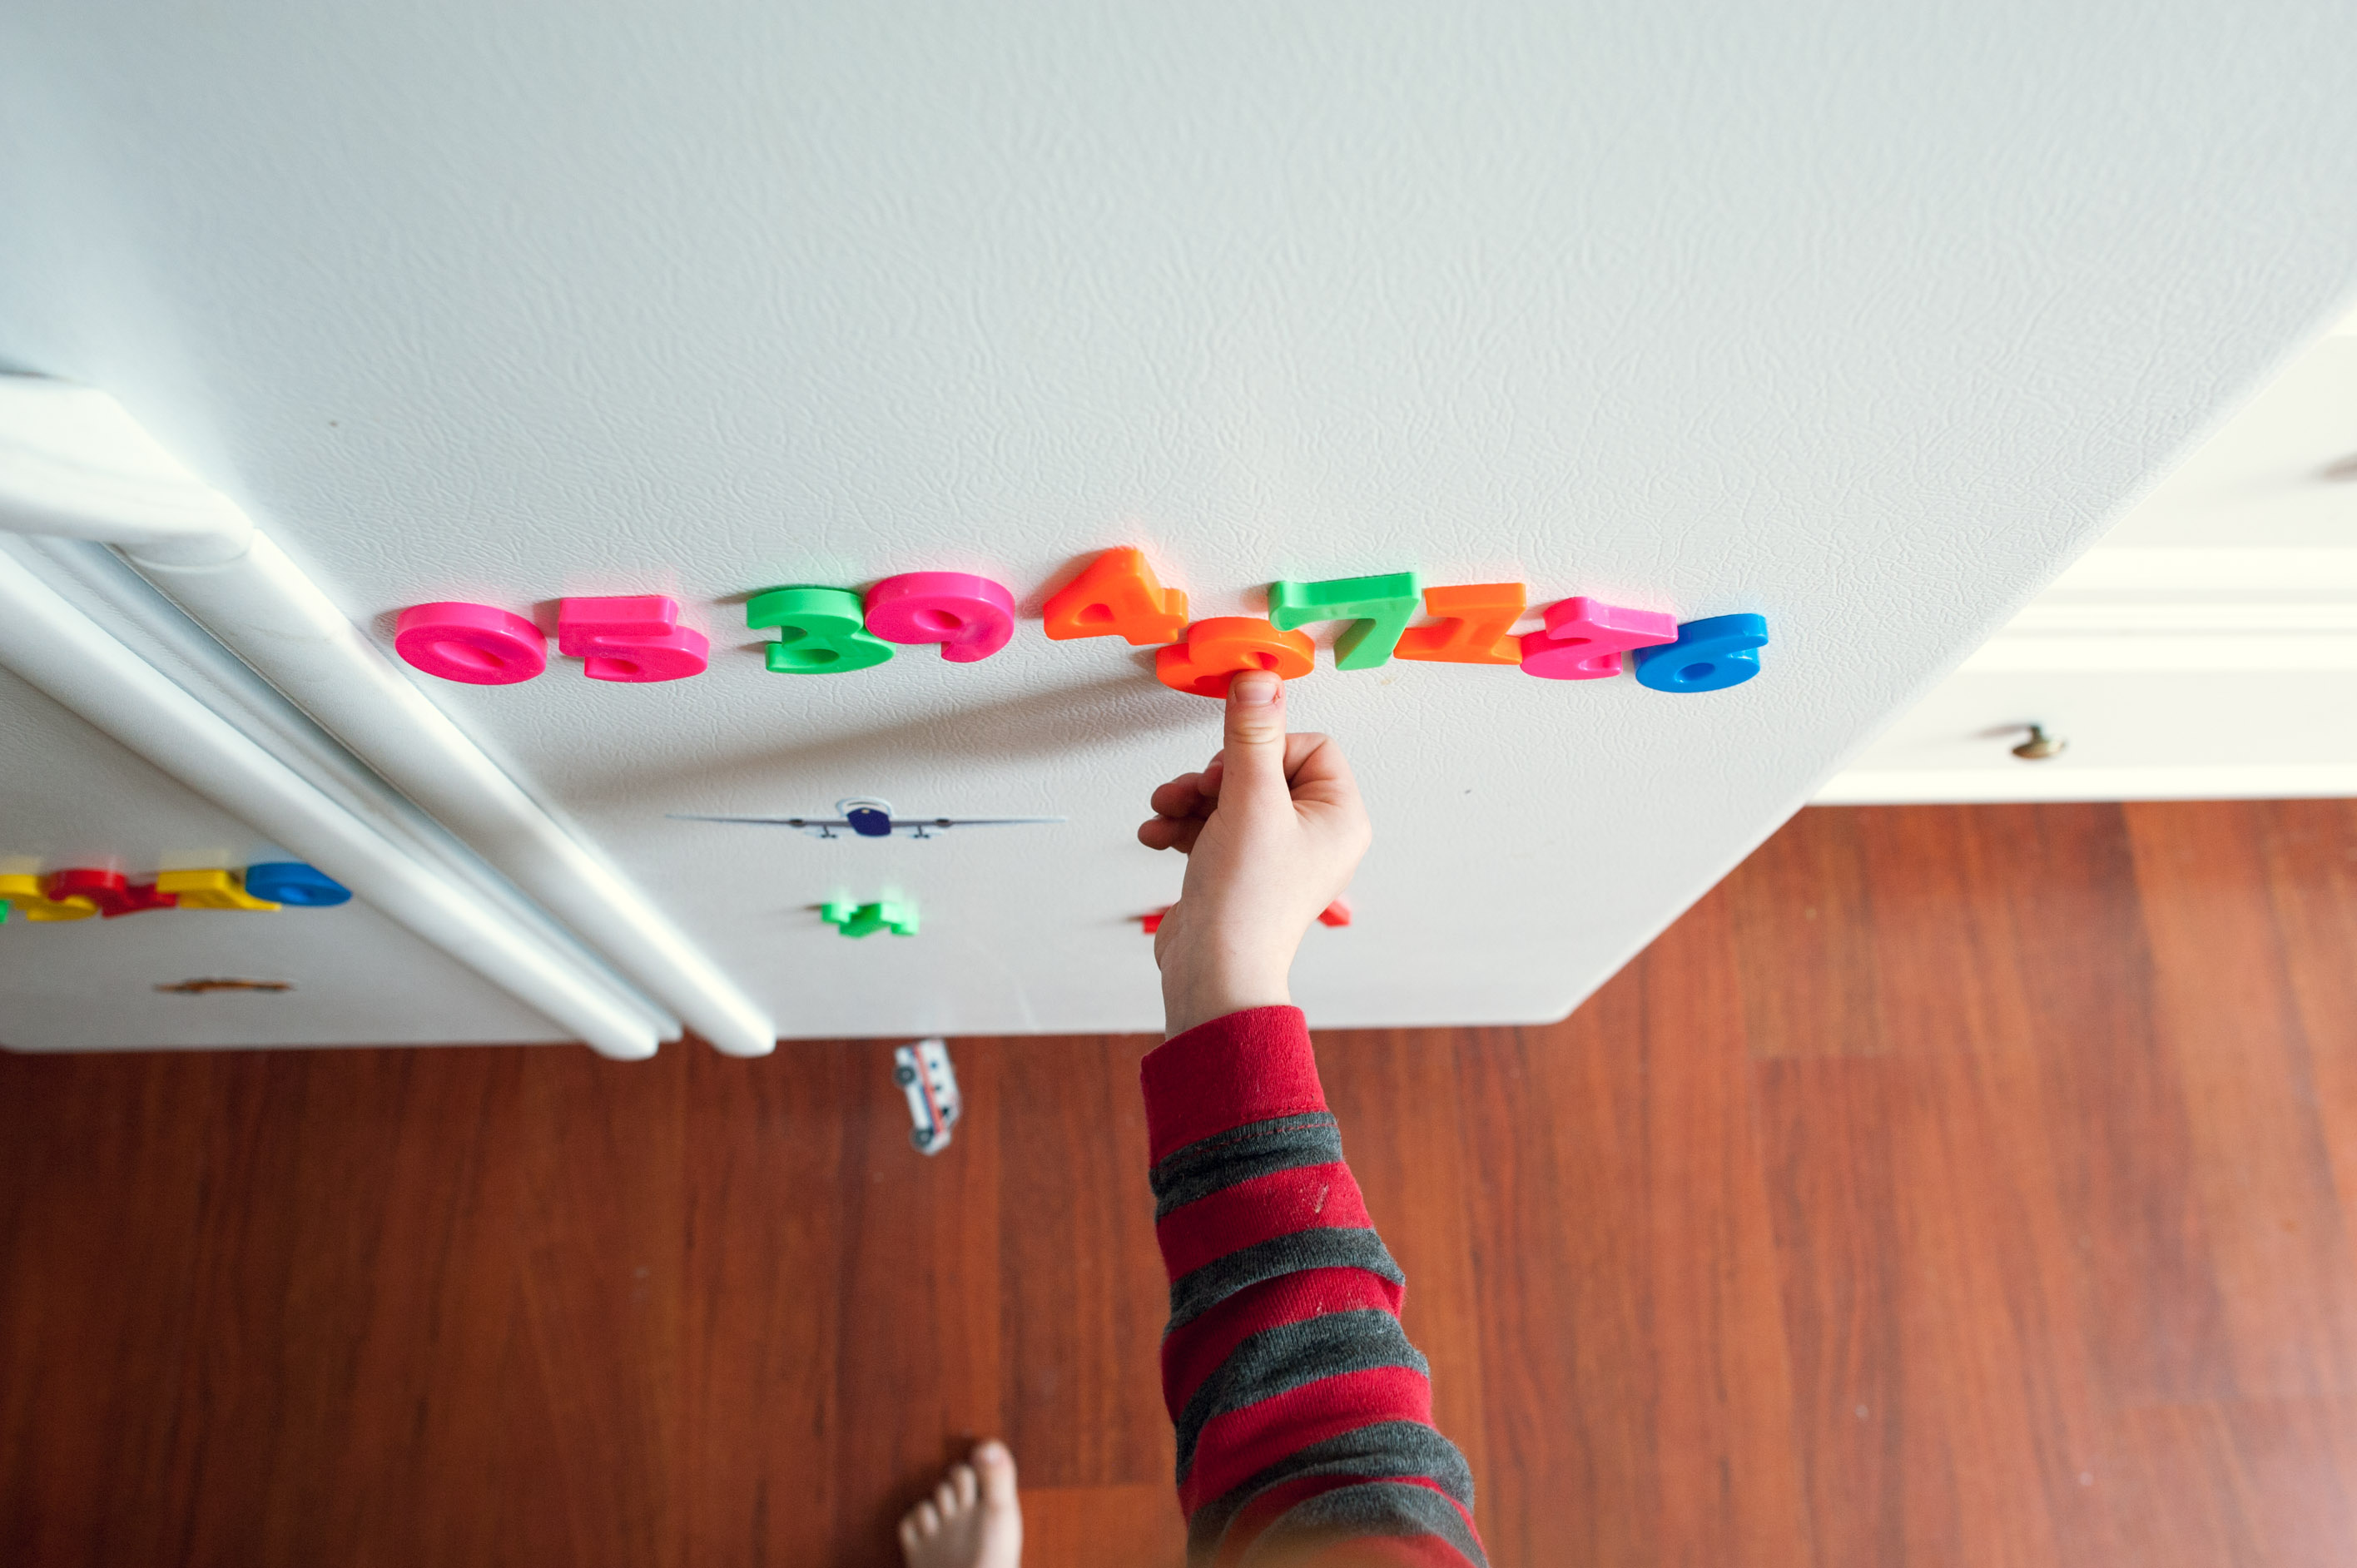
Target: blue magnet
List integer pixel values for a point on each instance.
(292, 882)
(1709, 655)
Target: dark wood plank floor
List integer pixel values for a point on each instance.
(1951, 1187)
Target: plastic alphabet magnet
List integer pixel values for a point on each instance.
(1475, 621)
(210, 890)
(113, 892)
(1377, 608)
(1710, 655)
(292, 882)
(972, 617)
(1117, 596)
(1585, 637)
(631, 638)
(472, 643)
(821, 631)
(25, 895)
(1217, 649)
(867, 920)
(1337, 913)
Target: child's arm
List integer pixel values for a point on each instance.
(1303, 1415)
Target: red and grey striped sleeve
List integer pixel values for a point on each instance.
(1303, 1415)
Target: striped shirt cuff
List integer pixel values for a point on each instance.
(1247, 1067)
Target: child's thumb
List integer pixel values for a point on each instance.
(1252, 760)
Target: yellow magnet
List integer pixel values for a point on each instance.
(210, 890)
(25, 893)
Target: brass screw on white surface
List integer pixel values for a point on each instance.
(2040, 746)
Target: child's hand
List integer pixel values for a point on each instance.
(1272, 830)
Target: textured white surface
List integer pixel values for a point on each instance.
(1864, 318)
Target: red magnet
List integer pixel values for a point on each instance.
(110, 890)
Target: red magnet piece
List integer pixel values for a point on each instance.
(112, 891)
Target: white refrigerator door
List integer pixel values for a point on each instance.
(1866, 320)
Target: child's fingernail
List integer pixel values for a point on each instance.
(1256, 690)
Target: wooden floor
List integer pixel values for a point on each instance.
(1953, 1186)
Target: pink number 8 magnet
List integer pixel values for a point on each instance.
(971, 618)
(473, 643)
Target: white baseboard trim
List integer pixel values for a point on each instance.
(2135, 571)
(2139, 610)
(2191, 651)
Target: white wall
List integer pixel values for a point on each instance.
(1862, 316)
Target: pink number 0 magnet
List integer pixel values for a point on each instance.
(971, 618)
(474, 643)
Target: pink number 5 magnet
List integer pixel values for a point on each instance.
(473, 643)
(630, 637)
(972, 617)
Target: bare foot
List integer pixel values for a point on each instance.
(973, 1521)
